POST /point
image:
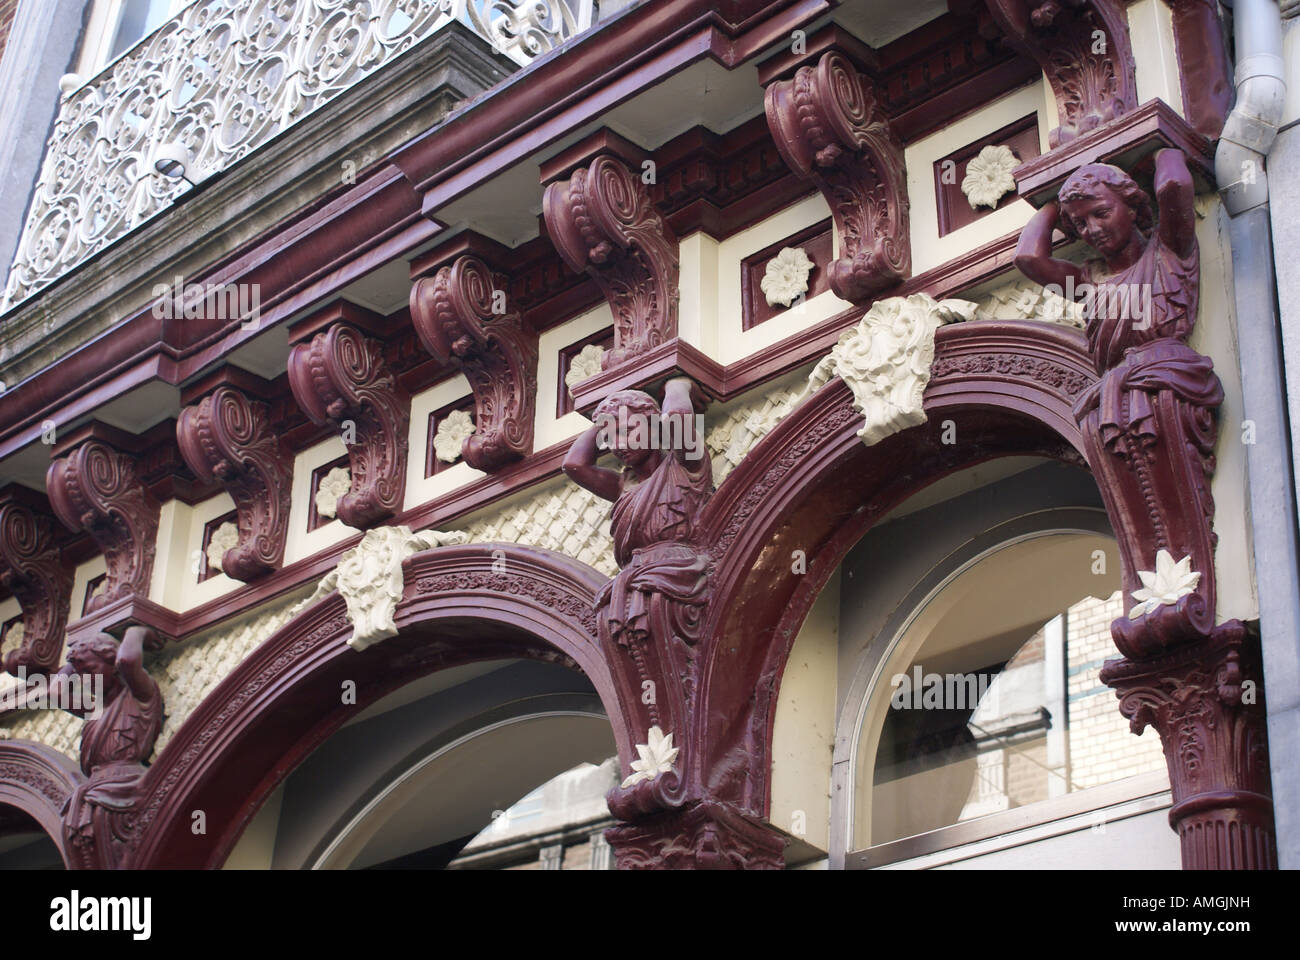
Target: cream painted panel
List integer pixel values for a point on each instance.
(547, 429)
(301, 542)
(80, 580)
(180, 539)
(419, 488)
(735, 343)
(1155, 59)
(1215, 336)
(929, 250)
(803, 733)
(9, 609)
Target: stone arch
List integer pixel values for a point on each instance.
(461, 604)
(37, 780)
(1005, 388)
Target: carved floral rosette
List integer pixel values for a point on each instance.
(97, 488)
(830, 129)
(603, 221)
(456, 315)
(1206, 700)
(33, 571)
(228, 437)
(340, 377)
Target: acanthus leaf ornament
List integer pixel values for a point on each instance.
(370, 578)
(227, 436)
(32, 569)
(463, 316)
(97, 488)
(885, 361)
(340, 377)
(1084, 50)
(602, 221)
(830, 128)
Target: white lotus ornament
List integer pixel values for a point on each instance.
(657, 757)
(786, 276)
(988, 176)
(1168, 584)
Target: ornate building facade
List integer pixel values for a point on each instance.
(867, 423)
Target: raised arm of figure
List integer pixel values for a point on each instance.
(580, 465)
(1034, 252)
(130, 661)
(678, 414)
(1174, 198)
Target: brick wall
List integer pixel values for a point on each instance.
(1102, 748)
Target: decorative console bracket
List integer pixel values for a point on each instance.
(227, 436)
(33, 570)
(339, 376)
(1083, 47)
(829, 126)
(95, 484)
(602, 220)
(463, 316)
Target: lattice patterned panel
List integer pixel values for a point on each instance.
(1026, 300)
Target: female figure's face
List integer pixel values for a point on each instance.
(1104, 222)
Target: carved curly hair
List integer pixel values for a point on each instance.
(1084, 184)
(636, 402)
(101, 647)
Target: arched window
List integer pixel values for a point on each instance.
(987, 716)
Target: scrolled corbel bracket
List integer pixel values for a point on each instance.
(227, 437)
(33, 570)
(1084, 50)
(463, 316)
(603, 221)
(95, 486)
(339, 376)
(830, 129)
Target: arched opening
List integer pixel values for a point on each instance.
(464, 608)
(24, 845)
(416, 776)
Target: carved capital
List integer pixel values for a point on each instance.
(603, 221)
(705, 836)
(829, 126)
(340, 377)
(33, 570)
(228, 437)
(97, 488)
(1083, 48)
(1207, 703)
(463, 316)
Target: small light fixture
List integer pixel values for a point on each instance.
(172, 160)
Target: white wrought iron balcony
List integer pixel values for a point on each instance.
(214, 83)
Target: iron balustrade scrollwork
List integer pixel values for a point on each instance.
(219, 79)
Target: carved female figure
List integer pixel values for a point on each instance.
(118, 737)
(1148, 424)
(660, 590)
(1141, 293)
